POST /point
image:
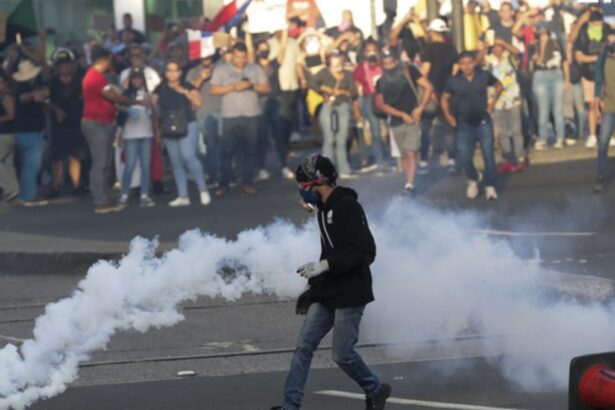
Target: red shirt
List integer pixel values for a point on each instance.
(367, 76)
(95, 106)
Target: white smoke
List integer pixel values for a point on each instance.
(433, 279)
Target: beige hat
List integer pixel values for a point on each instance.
(26, 71)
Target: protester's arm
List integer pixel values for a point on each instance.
(250, 47)
(392, 111)
(283, 46)
(191, 94)
(110, 94)
(262, 83)
(427, 87)
(521, 21)
(507, 46)
(347, 36)
(599, 78)
(397, 28)
(9, 109)
(499, 88)
(446, 109)
(218, 89)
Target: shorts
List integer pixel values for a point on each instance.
(589, 88)
(407, 136)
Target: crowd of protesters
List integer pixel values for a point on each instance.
(528, 79)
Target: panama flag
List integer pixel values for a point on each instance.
(200, 44)
(229, 16)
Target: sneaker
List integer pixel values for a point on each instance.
(379, 400)
(123, 201)
(287, 173)
(295, 136)
(423, 168)
(106, 208)
(473, 187)
(248, 190)
(408, 190)
(571, 142)
(263, 175)
(490, 193)
(205, 197)
(116, 187)
(540, 145)
(591, 142)
(35, 202)
(451, 167)
(146, 202)
(559, 143)
(10, 196)
(505, 168)
(369, 168)
(600, 186)
(179, 201)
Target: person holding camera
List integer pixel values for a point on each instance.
(240, 84)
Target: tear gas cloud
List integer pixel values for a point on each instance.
(433, 279)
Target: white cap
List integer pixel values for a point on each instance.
(438, 25)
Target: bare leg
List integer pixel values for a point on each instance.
(74, 170)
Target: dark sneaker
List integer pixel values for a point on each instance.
(378, 402)
(600, 186)
(10, 197)
(106, 208)
(146, 202)
(408, 191)
(35, 202)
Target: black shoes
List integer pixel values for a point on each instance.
(600, 185)
(379, 400)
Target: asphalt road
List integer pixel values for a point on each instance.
(239, 351)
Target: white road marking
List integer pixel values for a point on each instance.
(11, 339)
(495, 232)
(422, 403)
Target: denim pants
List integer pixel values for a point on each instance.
(367, 110)
(578, 102)
(467, 136)
(271, 123)
(212, 124)
(334, 144)
(436, 131)
(100, 137)
(182, 152)
(607, 127)
(137, 149)
(239, 139)
(548, 88)
(508, 128)
(318, 322)
(8, 176)
(30, 149)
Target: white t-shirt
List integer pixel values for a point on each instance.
(139, 123)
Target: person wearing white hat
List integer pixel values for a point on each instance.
(30, 97)
(439, 63)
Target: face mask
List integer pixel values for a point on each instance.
(310, 197)
(263, 54)
(294, 32)
(345, 25)
(372, 58)
(594, 32)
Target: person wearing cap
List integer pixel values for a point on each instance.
(439, 62)
(68, 146)
(467, 90)
(605, 107)
(29, 124)
(98, 125)
(589, 43)
(339, 284)
(397, 96)
(550, 74)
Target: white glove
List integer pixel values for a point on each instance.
(313, 269)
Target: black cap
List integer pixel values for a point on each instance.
(316, 167)
(390, 52)
(136, 72)
(62, 55)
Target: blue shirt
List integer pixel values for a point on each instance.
(470, 97)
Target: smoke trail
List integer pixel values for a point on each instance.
(433, 279)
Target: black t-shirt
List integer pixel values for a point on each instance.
(590, 47)
(396, 92)
(273, 75)
(138, 36)
(171, 100)
(470, 97)
(502, 32)
(7, 126)
(29, 116)
(67, 97)
(442, 57)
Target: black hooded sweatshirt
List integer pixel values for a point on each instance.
(349, 247)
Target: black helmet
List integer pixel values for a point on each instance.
(315, 167)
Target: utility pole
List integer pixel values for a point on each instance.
(433, 9)
(457, 25)
(372, 5)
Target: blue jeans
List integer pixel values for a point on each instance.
(211, 127)
(334, 145)
(367, 110)
(137, 149)
(30, 149)
(272, 123)
(606, 131)
(548, 88)
(239, 139)
(318, 322)
(182, 152)
(467, 136)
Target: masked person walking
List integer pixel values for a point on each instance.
(340, 284)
